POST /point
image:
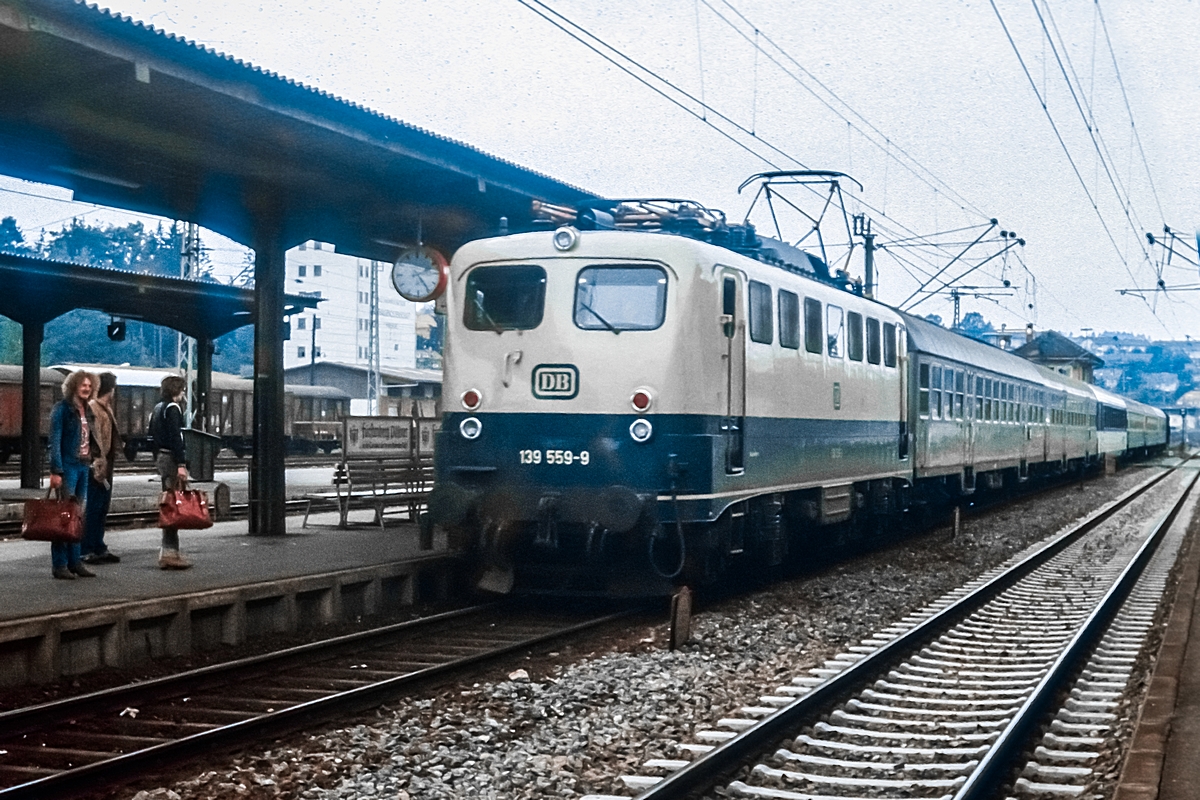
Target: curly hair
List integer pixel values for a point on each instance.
(70, 385)
(171, 386)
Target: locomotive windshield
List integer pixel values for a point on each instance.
(505, 298)
(621, 298)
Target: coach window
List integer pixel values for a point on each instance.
(762, 322)
(935, 394)
(959, 383)
(835, 331)
(874, 346)
(923, 390)
(789, 320)
(813, 338)
(854, 336)
(889, 344)
(620, 298)
(509, 298)
(978, 398)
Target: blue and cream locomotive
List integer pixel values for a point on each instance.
(650, 395)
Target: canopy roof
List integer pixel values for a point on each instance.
(128, 116)
(37, 290)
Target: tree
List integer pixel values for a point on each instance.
(11, 238)
(975, 326)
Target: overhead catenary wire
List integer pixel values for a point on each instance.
(1070, 159)
(649, 77)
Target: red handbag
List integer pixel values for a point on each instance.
(52, 519)
(186, 509)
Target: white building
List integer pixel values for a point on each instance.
(339, 330)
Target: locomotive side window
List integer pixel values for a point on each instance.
(889, 344)
(789, 320)
(854, 336)
(761, 318)
(620, 298)
(835, 332)
(813, 340)
(874, 346)
(923, 390)
(506, 298)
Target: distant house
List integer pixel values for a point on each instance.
(400, 387)
(1057, 352)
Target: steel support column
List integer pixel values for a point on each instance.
(267, 478)
(204, 354)
(31, 404)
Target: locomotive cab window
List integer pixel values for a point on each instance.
(789, 320)
(761, 318)
(854, 336)
(835, 331)
(507, 298)
(620, 298)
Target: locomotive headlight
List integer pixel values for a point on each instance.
(470, 428)
(641, 430)
(565, 238)
(471, 399)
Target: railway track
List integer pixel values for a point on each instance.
(119, 734)
(946, 704)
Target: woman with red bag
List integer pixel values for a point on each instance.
(70, 463)
(166, 427)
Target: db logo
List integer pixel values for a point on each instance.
(555, 381)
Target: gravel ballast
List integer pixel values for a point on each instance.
(566, 727)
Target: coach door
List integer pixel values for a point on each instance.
(733, 326)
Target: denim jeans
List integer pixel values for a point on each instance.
(98, 499)
(75, 484)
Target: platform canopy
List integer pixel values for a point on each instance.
(128, 116)
(37, 290)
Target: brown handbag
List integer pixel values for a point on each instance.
(52, 519)
(185, 509)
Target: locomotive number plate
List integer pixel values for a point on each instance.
(558, 457)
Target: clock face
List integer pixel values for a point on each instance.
(420, 274)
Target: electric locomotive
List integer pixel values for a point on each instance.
(635, 410)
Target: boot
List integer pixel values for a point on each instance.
(81, 571)
(170, 559)
(63, 574)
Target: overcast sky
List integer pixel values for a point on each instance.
(925, 103)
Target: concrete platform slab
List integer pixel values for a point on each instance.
(239, 586)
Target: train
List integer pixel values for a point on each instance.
(312, 422)
(648, 396)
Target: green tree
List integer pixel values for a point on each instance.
(975, 326)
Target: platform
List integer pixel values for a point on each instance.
(239, 587)
(1162, 761)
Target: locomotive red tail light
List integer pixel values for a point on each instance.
(641, 400)
(471, 399)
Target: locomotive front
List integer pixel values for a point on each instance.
(562, 351)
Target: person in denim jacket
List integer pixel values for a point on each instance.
(70, 463)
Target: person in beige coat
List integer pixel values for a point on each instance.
(106, 443)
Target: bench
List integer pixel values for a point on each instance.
(387, 463)
(377, 484)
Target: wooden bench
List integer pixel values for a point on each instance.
(377, 484)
